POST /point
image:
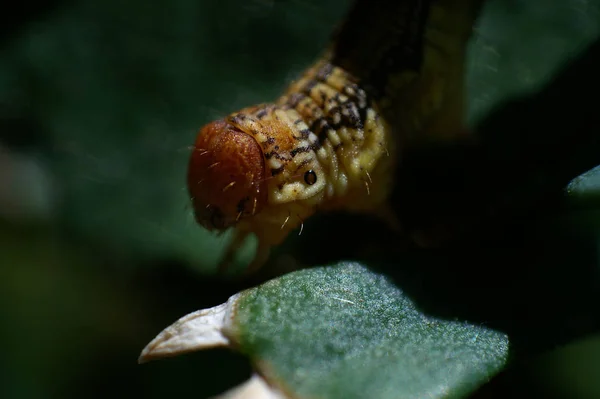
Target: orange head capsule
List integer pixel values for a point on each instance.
(226, 176)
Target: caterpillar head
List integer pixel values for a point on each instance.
(226, 176)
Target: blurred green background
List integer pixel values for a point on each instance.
(99, 102)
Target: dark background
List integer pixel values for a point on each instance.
(99, 102)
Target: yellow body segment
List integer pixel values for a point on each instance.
(326, 147)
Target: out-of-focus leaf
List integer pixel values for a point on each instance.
(585, 188)
(518, 46)
(344, 331)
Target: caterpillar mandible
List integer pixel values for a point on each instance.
(333, 139)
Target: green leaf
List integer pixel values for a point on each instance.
(343, 331)
(346, 332)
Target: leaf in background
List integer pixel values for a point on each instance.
(343, 331)
(518, 46)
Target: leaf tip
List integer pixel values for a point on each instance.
(198, 330)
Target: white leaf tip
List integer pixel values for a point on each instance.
(198, 330)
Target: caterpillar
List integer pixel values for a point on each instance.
(392, 74)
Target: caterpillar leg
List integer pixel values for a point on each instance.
(260, 258)
(386, 214)
(239, 236)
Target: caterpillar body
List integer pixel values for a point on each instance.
(333, 139)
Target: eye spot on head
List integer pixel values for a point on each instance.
(310, 177)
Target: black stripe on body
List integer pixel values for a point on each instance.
(394, 44)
